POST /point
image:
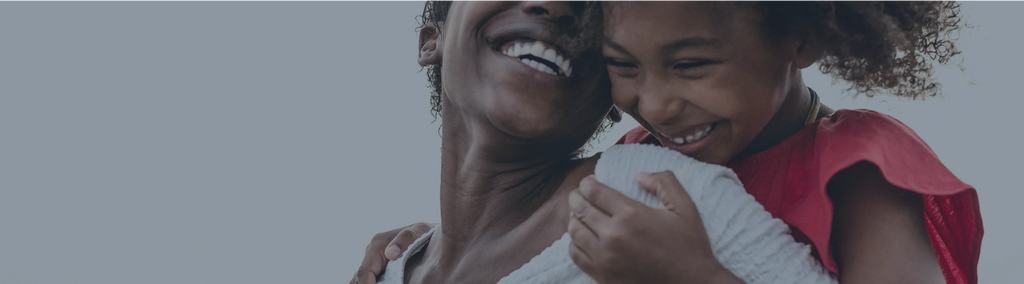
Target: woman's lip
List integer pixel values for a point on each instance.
(516, 65)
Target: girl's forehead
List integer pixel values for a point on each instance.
(708, 19)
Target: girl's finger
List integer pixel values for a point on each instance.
(582, 235)
(605, 198)
(669, 191)
(593, 219)
(580, 257)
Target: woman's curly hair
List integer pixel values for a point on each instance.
(878, 47)
(434, 12)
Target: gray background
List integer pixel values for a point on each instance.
(266, 142)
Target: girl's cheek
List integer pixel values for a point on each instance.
(623, 94)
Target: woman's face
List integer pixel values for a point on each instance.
(703, 79)
(503, 62)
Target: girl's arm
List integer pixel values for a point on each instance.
(878, 230)
(693, 224)
(616, 239)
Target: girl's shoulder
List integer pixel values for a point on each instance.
(850, 136)
(951, 208)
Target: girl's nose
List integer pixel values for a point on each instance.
(658, 105)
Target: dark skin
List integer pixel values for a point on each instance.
(728, 74)
(508, 143)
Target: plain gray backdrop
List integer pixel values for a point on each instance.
(267, 142)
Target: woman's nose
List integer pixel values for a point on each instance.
(557, 11)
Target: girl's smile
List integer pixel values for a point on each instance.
(690, 140)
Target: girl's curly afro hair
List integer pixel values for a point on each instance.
(878, 47)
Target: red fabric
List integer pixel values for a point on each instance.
(790, 178)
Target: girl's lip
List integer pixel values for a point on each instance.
(692, 148)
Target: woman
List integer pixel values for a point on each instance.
(510, 137)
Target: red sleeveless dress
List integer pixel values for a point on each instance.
(789, 180)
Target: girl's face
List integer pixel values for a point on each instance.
(703, 79)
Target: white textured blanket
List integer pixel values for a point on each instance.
(744, 237)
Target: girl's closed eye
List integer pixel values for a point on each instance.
(692, 68)
(621, 68)
(690, 64)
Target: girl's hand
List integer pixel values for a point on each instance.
(616, 239)
(387, 246)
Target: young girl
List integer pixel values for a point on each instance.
(721, 82)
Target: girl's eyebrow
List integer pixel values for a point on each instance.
(616, 46)
(690, 42)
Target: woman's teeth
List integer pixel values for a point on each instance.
(693, 137)
(541, 57)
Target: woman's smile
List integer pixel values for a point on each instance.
(544, 57)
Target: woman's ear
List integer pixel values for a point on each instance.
(429, 52)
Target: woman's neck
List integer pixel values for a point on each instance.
(499, 193)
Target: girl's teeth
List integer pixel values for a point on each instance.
(693, 138)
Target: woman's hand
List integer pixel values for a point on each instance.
(616, 239)
(385, 247)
